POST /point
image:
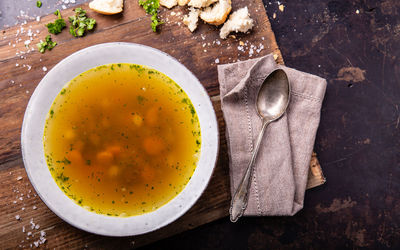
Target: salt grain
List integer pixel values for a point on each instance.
(217, 60)
(19, 178)
(38, 18)
(34, 207)
(17, 217)
(44, 69)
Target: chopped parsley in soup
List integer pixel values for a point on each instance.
(122, 139)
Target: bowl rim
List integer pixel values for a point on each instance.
(98, 219)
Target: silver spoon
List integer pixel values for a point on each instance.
(271, 103)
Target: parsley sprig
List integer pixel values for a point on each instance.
(46, 44)
(58, 25)
(151, 7)
(80, 23)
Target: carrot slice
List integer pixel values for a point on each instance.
(153, 145)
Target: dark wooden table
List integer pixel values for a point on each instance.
(355, 45)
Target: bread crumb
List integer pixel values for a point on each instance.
(241, 43)
(168, 3)
(191, 19)
(357, 12)
(107, 7)
(239, 21)
(281, 7)
(218, 13)
(201, 3)
(274, 15)
(182, 2)
(275, 56)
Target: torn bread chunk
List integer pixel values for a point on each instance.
(191, 19)
(217, 14)
(107, 7)
(239, 21)
(168, 3)
(201, 3)
(183, 2)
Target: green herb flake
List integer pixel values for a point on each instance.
(80, 23)
(58, 25)
(141, 99)
(192, 111)
(38, 4)
(65, 161)
(151, 7)
(63, 91)
(61, 177)
(46, 44)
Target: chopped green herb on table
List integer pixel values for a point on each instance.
(151, 7)
(38, 4)
(46, 44)
(58, 25)
(80, 23)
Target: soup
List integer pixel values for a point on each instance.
(122, 139)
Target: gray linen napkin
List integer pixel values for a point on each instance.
(281, 170)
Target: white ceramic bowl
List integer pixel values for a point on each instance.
(39, 106)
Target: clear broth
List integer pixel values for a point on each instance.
(122, 139)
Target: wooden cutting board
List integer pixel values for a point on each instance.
(20, 74)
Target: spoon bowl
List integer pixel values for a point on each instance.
(273, 96)
(271, 103)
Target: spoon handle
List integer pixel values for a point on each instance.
(240, 198)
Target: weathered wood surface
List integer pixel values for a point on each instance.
(197, 51)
